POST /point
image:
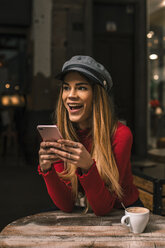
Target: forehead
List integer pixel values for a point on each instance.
(75, 77)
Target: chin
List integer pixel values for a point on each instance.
(74, 120)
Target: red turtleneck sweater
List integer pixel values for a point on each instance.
(99, 197)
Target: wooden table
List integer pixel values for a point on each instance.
(58, 229)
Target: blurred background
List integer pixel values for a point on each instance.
(36, 38)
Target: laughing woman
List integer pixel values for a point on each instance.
(93, 158)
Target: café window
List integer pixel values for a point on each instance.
(13, 88)
(13, 65)
(156, 53)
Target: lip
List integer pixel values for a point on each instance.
(75, 111)
(75, 103)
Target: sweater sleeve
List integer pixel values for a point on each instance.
(58, 189)
(100, 198)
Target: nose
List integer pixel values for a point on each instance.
(72, 92)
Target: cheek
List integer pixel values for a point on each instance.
(90, 103)
(64, 98)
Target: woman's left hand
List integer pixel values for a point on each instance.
(73, 152)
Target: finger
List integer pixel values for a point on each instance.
(65, 155)
(42, 151)
(70, 143)
(45, 151)
(49, 162)
(44, 163)
(67, 160)
(43, 144)
(47, 144)
(48, 157)
(67, 149)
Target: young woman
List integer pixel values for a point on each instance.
(93, 158)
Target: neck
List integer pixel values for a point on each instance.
(84, 125)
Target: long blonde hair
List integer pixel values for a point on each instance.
(103, 128)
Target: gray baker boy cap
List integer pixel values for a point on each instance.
(90, 68)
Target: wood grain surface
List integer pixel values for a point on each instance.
(58, 229)
(144, 184)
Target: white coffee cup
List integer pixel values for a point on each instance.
(136, 218)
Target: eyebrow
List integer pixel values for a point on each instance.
(78, 84)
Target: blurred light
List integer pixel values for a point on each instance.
(164, 38)
(1, 64)
(7, 86)
(111, 26)
(14, 100)
(156, 77)
(158, 111)
(163, 3)
(156, 41)
(149, 44)
(16, 87)
(150, 34)
(153, 56)
(5, 101)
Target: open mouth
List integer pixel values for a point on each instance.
(75, 106)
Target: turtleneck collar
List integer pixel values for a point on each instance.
(83, 132)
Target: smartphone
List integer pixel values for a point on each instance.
(49, 132)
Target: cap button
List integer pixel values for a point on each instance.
(105, 83)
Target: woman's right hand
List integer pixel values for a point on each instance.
(46, 157)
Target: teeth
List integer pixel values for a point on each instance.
(74, 105)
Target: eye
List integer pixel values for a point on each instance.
(65, 88)
(82, 88)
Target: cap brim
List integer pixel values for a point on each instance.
(85, 73)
